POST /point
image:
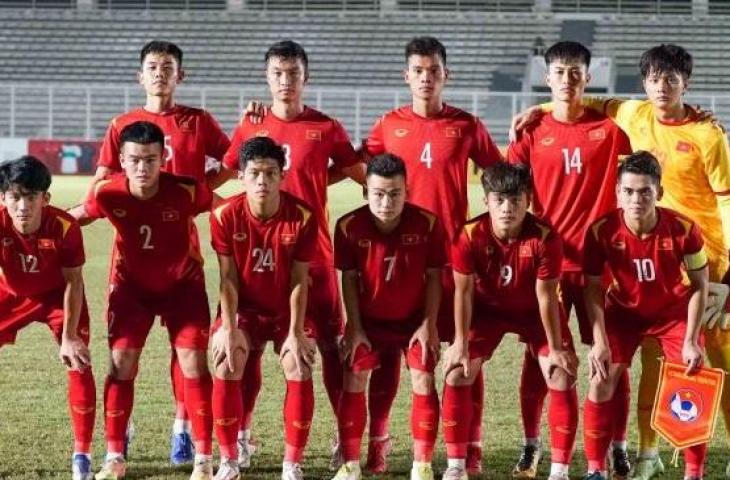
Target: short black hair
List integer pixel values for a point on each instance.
(641, 162)
(425, 46)
(26, 173)
(568, 51)
(142, 133)
(288, 50)
(386, 165)
(666, 58)
(161, 47)
(261, 148)
(507, 178)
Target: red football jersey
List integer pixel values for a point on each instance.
(574, 169)
(153, 237)
(191, 135)
(648, 274)
(264, 250)
(31, 265)
(506, 272)
(310, 141)
(391, 266)
(435, 151)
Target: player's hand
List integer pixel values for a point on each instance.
(692, 356)
(599, 358)
(256, 112)
(353, 338)
(428, 337)
(457, 355)
(716, 307)
(74, 353)
(301, 347)
(522, 120)
(224, 343)
(564, 359)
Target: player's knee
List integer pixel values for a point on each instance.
(223, 371)
(294, 370)
(422, 382)
(123, 364)
(356, 381)
(193, 362)
(457, 378)
(559, 379)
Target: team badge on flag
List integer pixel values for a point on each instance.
(686, 406)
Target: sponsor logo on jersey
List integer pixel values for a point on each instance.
(665, 244)
(684, 147)
(240, 236)
(313, 135)
(401, 132)
(619, 245)
(170, 215)
(597, 134)
(452, 132)
(288, 238)
(119, 212)
(525, 251)
(46, 244)
(186, 124)
(410, 239)
(547, 141)
(363, 243)
(7, 241)
(262, 133)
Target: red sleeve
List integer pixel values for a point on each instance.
(484, 151)
(216, 142)
(594, 257)
(72, 248)
(693, 242)
(624, 147)
(343, 155)
(91, 204)
(230, 159)
(220, 238)
(375, 143)
(437, 245)
(203, 198)
(345, 258)
(109, 151)
(519, 151)
(461, 256)
(550, 258)
(306, 246)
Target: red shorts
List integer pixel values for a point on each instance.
(19, 312)
(261, 329)
(323, 303)
(445, 322)
(626, 331)
(487, 332)
(570, 293)
(183, 311)
(366, 359)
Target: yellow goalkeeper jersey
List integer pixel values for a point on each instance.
(695, 162)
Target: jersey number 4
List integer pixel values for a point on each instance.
(426, 155)
(572, 161)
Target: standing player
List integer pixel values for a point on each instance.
(41, 281)
(506, 270)
(650, 253)
(574, 153)
(695, 159)
(157, 271)
(435, 140)
(391, 254)
(264, 239)
(192, 137)
(309, 139)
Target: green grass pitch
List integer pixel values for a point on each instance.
(35, 435)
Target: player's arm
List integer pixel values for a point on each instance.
(73, 352)
(457, 355)
(699, 286)
(228, 338)
(216, 178)
(354, 332)
(296, 342)
(547, 299)
(599, 357)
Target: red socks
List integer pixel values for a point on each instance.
(298, 413)
(456, 419)
(82, 408)
(198, 392)
(118, 400)
(178, 387)
(227, 412)
(563, 421)
(694, 460)
(424, 425)
(352, 417)
(597, 429)
(332, 373)
(477, 404)
(383, 387)
(532, 395)
(250, 387)
(621, 405)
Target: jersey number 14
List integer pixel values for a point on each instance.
(572, 161)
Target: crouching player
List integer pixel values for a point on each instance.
(506, 270)
(156, 272)
(391, 254)
(265, 239)
(659, 290)
(40, 281)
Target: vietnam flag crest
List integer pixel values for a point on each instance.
(686, 406)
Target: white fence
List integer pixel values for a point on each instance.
(84, 111)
